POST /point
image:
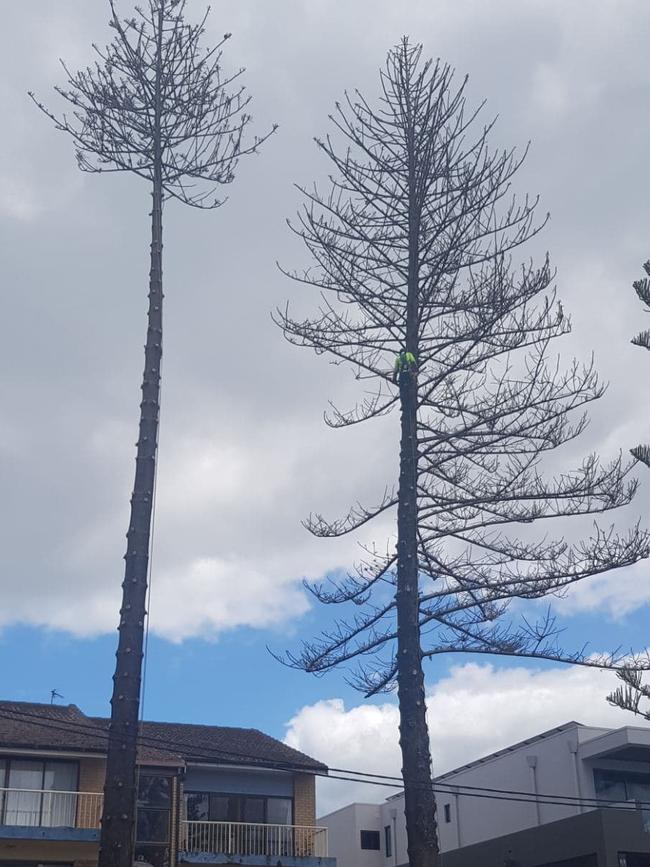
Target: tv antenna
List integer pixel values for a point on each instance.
(54, 694)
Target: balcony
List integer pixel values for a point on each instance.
(43, 814)
(253, 844)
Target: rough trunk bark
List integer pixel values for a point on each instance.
(117, 836)
(420, 803)
(118, 818)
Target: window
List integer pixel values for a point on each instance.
(44, 793)
(447, 813)
(388, 841)
(152, 819)
(633, 859)
(254, 810)
(243, 811)
(621, 785)
(197, 806)
(279, 811)
(370, 840)
(251, 809)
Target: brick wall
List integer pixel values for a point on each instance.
(92, 773)
(304, 799)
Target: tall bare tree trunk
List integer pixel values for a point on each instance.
(156, 104)
(118, 821)
(419, 799)
(117, 839)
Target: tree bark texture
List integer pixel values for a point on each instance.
(118, 820)
(419, 799)
(420, 804)
(117, 836)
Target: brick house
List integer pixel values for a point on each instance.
(206, 794)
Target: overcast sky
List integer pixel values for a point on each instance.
(244, 454)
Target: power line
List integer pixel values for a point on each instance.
(346, 775)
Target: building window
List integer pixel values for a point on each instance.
(370, 840)
(447, 813)
(633, 859)
(153, 819)
(38, 793)
(388, 841)
(621, 785)
(233, 816)
(250, 809)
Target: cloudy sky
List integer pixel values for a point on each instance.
(243, 451)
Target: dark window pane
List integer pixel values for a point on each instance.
(638, 790)
(621, 785)
(370, 840)
(198, 806)
(253, 810)
(388, 840)
(152, 825)
(153, 791)
(609, 785)
(634, 859)
(220, 808)
(447, 812)
(278, 811)
(60, 776)
(157, 856)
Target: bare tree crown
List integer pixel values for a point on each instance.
(416, 189)
(634, 695)
(155, 97)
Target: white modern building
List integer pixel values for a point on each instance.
(569, 796)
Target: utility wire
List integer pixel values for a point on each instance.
(346, 775)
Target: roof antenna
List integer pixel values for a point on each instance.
(54, 694)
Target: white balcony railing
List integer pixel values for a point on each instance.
(243, 838)
(47, 809)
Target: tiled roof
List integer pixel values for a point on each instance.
(26, 725)
(48, 726)
(223, 744)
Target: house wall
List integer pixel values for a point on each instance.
(550, 765)
(593, 838)
(344, 831)
(392, 814)
(92, 773)
(48, 850)
(304, 799)
(239, 782)
(300, 787)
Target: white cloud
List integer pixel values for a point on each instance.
(220, 595)
(244, 456)
(473, 711)
(615, 594)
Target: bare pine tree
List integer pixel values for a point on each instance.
(158, 104)
(634, 694)
(642, 289)
(411, 249)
